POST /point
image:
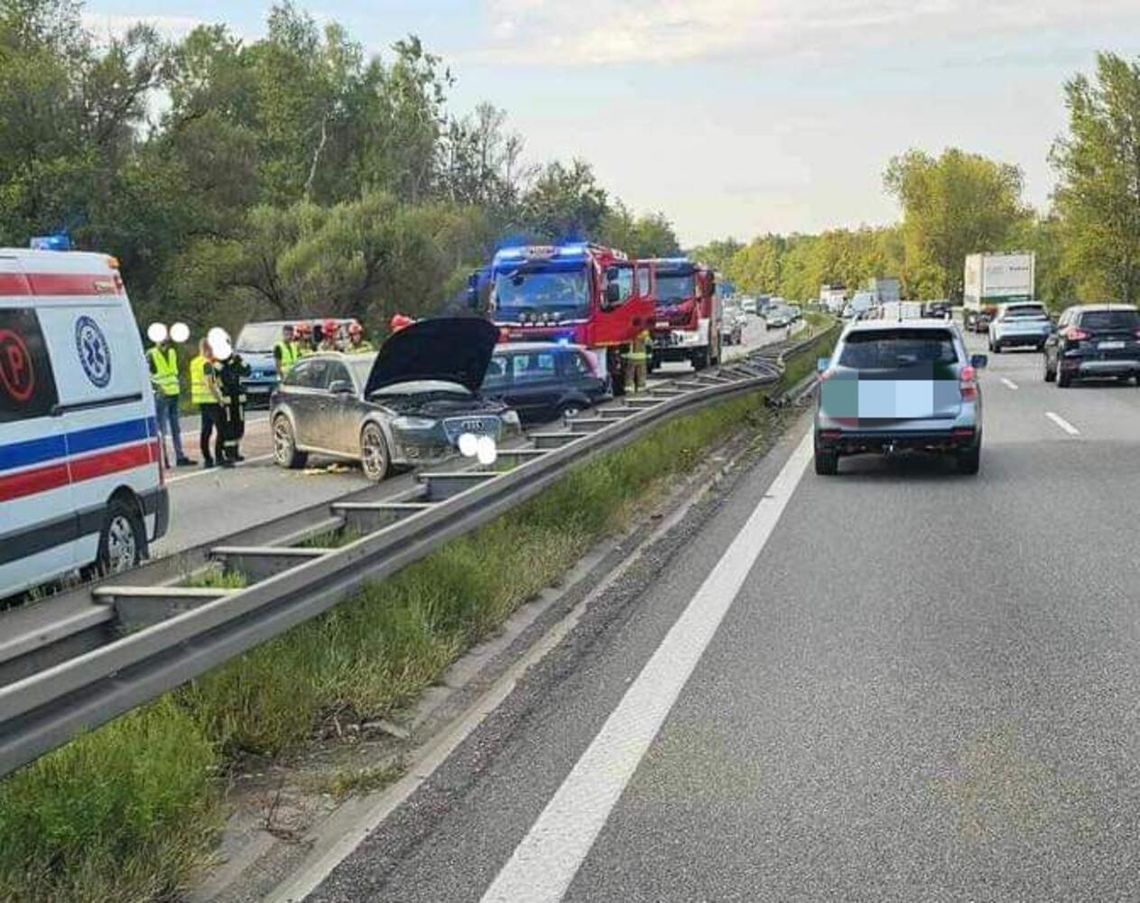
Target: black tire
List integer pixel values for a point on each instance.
(570, 409)
(285, 452)
(1050, 373)
(700, 359)
(970, 460)
(826, 463)
(122, 539)
(374, 456)
(995, 347)
(1064, 380)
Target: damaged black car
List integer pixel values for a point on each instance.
(416, 401)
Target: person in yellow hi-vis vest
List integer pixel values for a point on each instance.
(204, 392)
(637, 362)
(286, 352)
(162, 359)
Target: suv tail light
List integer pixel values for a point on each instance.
(968, 383)
(1076, 334)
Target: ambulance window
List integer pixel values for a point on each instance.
(27, 384)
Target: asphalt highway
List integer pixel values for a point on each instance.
(207, 505)
(899, 683)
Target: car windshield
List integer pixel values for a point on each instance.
(555, 290)
(672, 288)
(361, 366)
(1110, 319)
(895, 349)
(259, 338)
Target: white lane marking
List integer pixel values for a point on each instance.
(1009, 383)
(1063, 423)
(201, 472)
(547, 859)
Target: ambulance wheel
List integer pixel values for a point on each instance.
(285, 445)
(122, 540)
(374, 457)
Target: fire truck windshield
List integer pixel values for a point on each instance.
(531, 289)
(675, 288)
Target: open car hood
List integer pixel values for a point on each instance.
(454, 349)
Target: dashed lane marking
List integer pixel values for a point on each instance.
(1063, 423)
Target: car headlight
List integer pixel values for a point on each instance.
(413, 423)
(510, 418)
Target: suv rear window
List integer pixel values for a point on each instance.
(893, 349)
(1110, 319)
(1026, 312)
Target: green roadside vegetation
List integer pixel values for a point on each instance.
(129, 811)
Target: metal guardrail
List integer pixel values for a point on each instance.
(141, 637)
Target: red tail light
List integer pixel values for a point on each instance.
(968, 383)
(1076, 334)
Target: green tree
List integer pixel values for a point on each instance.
(1098, 195)
(953, 205)
(650, 235)
(565, 202)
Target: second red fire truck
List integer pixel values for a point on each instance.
(688, 312)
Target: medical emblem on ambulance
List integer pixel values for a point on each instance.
(94, 352)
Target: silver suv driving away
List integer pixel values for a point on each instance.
(894, 386)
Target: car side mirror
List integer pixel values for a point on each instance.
(341, 387)
(979, 361)
(822, 364)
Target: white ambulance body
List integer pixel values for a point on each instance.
(81, 481)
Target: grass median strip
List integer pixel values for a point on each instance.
(130, 810)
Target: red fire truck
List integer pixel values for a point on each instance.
(579, 293)
(686, 326)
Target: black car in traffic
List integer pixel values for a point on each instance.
(543, 381)
(1094, 341)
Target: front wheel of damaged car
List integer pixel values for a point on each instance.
(374, 456)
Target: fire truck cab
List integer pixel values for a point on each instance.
(578, 293)
(687, 313)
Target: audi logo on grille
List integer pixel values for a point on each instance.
(472, 426)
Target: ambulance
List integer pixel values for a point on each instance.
(81, 480)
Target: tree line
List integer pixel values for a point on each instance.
(1087, 242)
(291, 175)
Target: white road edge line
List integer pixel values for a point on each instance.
(370, 812)
(546, 861)
(1009, 383)
(1063, 423)
(202, 471)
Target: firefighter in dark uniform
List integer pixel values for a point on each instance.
(231, 369)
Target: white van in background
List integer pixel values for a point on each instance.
(81, 483)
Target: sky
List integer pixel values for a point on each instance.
(739, 117)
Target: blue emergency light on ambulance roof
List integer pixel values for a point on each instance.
(60, 242)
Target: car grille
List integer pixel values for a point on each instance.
(455, 427)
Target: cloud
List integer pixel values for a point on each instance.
(601, 32)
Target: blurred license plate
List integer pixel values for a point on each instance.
(1110, 346)
(662, 324)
